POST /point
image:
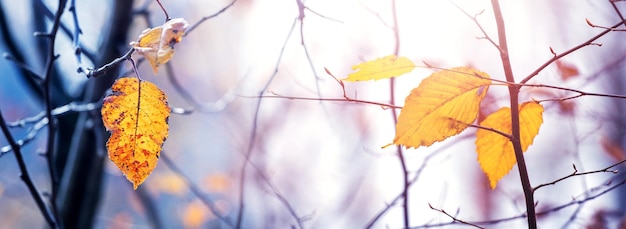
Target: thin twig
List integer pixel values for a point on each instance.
(283, 200)
(541, 213)
(475, 20)
(77, 32)
(40, 121)
(45, 211)
(580, 93)
(167, 16)
(301, 15)
(418, 173)
(196, 190)
(192, 27)
(35, 77)
(349, 100)
(576, 173)
(454, 219)
(32, 133)
(559, 56)
(253, 133)
(71, 107)
(79, 48)
(33, 80)
(394, 114)
(508, 136)
(102, 70)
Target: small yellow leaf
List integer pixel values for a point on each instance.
(218, 182)
(169, 183)
(195, 214)
(136, 114)
(381, 68)
(443, 105)
(495, 152)
(157, 44)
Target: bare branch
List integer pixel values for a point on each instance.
(196, 190)
(574, 202)
(47, 213)
(559, 56)
(40, 120)
(576, 173)
(418, 173)
(454, 219)
(100, 71)
(349, 100)
(253, 131)
(192, 27)
(36, 77)
(77, 31)
(475, 20)
(167, 16)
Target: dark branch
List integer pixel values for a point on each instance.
(25, 176)
(102, 70)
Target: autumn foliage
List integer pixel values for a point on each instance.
(136, 114)
(137, 111)
(446, 103)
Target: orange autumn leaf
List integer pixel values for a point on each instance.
(381, 68)
(566, 70)
(136, 115)
(443, 105)
(157, 44)
(495, 152)
(613, 148)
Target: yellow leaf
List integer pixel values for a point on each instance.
(495, 152)
(136, 114)
(381, 68)
(443, 105)
(218, 182)
(157, 44)
(195, 214)
(169, 183)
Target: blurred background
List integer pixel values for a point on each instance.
(308, 163)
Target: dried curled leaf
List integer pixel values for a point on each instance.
(381, 68)
(443, 105)
(136, 114)
(157, 44)
(495, 152)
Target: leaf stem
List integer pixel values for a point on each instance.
(515, 124)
